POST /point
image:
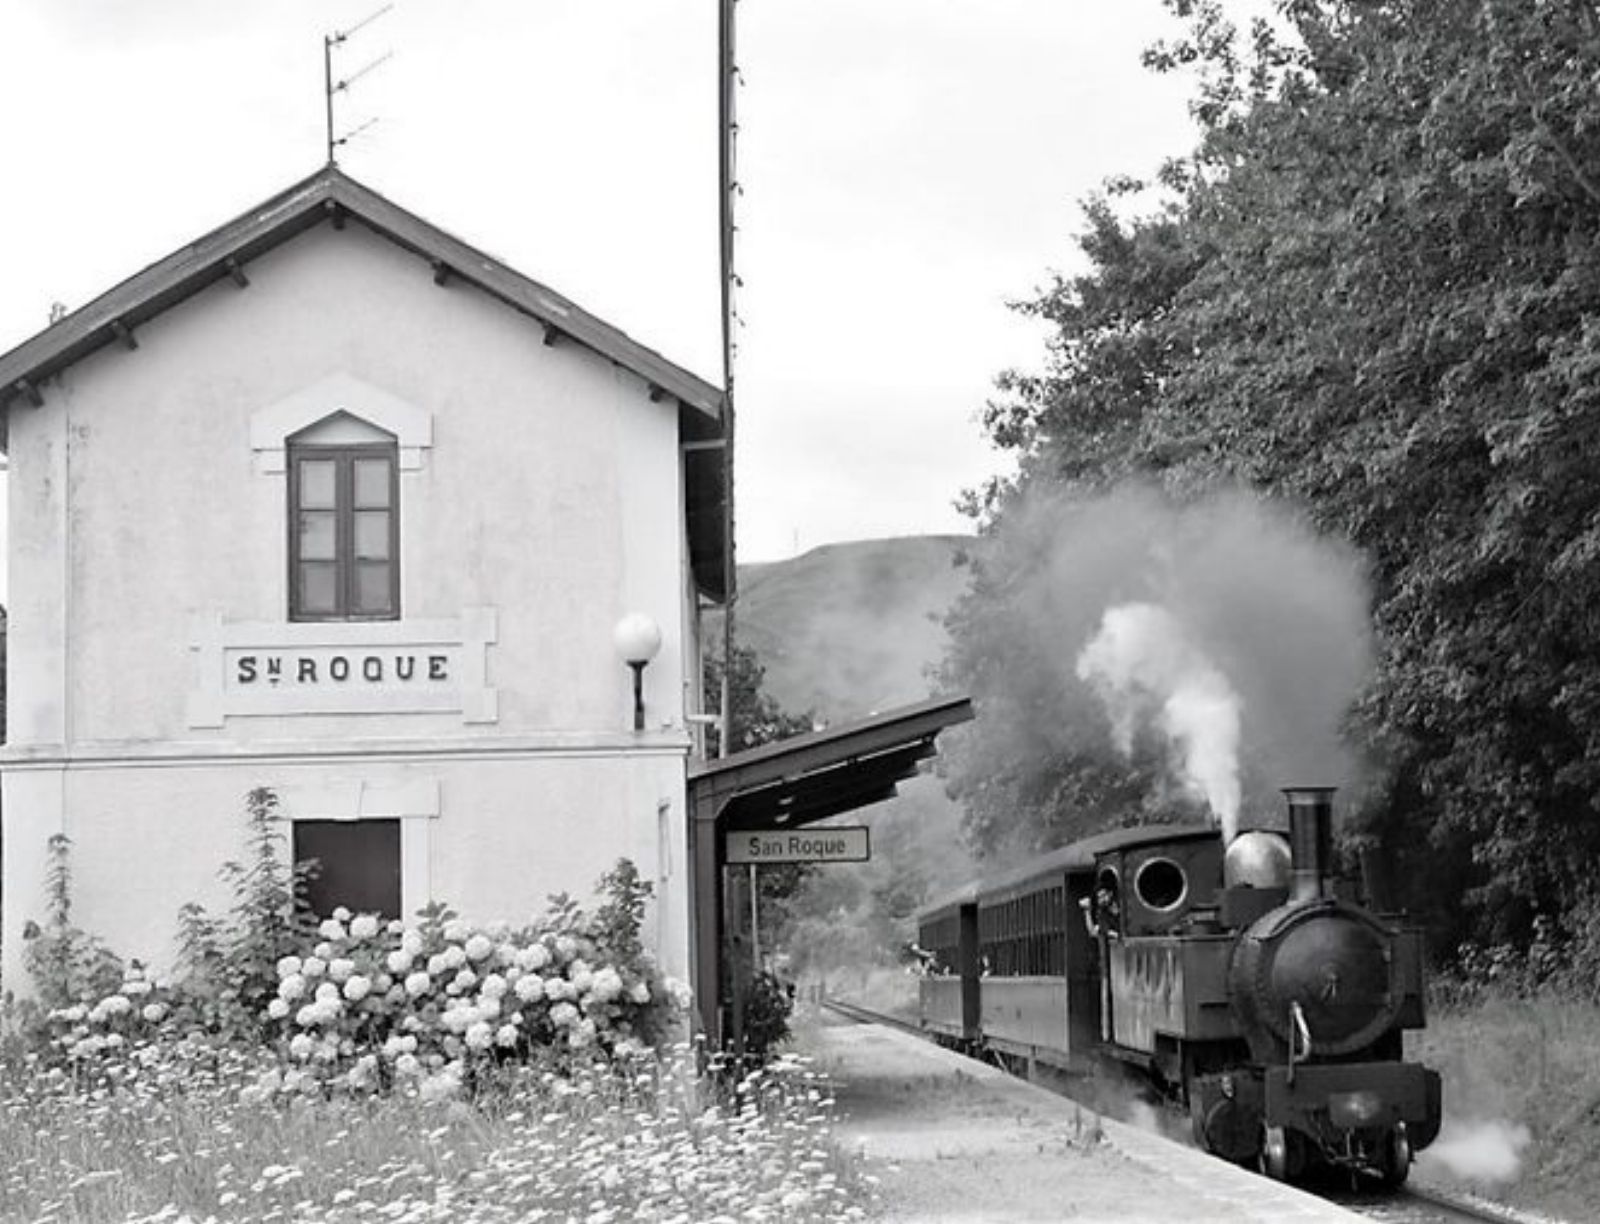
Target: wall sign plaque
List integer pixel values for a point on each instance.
(265, 669)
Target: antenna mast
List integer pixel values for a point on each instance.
(329, 87)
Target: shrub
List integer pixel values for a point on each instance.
(354, 1004)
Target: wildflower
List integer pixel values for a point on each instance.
(478, 947)
(357, 988)
(364, 926)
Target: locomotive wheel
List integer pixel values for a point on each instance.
(1274, 1158)
(1394, 1161)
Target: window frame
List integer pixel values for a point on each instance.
(344, 455)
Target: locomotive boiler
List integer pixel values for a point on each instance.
(1232, 977)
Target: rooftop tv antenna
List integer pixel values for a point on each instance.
(331, 87)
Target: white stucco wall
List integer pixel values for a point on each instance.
(546, 504)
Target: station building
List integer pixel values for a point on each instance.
(332, 503)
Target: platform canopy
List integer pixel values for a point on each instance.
(787, 785)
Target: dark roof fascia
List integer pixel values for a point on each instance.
(324, 195)
(879, 751)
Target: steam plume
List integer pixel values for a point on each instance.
(1482, 1151)
(1146, 669)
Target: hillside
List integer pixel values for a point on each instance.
(848, 629)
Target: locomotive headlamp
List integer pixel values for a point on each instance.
(637, 639)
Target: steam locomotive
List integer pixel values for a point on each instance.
(1230, 976)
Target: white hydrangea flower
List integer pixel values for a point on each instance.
(454, 957)
(418, 983)
(563, 1014)
(682, 996)
(607, 984)
(487, 1007)
(533, 958)
(155, 1013)
(465, 980)
(292, 987)
(326, 991)
(357, 988)
(443, 1086)
(506, 1035)
(407, 1066)
(364, 926)
(411, 941)
(478, 947)
(479, 1036)
(306, 1016)
(116, 1005)
(639, 993)
(314, 967)
(400, 961)
(288, 966)
(278, 1009)
(457, 930)
(493, 986)
(566, 947)
(134, 987)
(324, 950)
(530, 988)
(505, 954)
(341, 969)
(301, 1046)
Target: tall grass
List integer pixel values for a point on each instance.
(189, 1133)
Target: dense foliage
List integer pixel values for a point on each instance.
(1373, 290)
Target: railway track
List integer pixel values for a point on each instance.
(1410, 1205)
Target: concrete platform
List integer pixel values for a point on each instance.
(950, 1139)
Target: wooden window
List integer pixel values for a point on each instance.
(359, 863)
(344, 533)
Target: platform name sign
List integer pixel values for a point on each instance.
(831, 845)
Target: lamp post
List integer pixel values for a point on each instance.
(637, 638)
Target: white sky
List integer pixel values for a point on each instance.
(908, 166)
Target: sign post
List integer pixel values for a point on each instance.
(827, 845)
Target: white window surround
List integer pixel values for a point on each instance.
(272, 427)
(415, 804)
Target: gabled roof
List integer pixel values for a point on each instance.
(332, 195)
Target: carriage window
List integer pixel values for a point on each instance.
(1161, 884)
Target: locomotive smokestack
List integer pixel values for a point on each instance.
(1310, 840)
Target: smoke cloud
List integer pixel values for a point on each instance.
(1484, 1151)
(1227, 628)
(1147, 671)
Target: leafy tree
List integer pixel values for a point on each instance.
(1373, 288)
